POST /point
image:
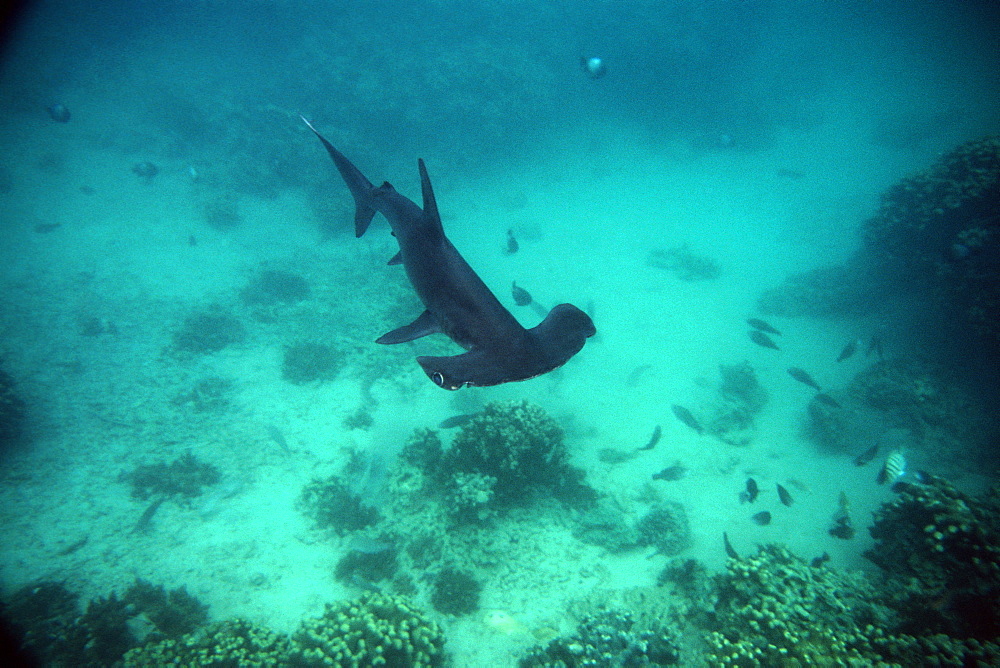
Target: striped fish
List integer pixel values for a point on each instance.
(892, 469)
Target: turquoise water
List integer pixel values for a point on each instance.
(754, 138)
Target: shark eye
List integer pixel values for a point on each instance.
(438, 378)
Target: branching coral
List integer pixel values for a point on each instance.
(374, 630)
(942, 550)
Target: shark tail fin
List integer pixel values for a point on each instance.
(361, 188)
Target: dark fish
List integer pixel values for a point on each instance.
(456, 421)
(654, 439)
(803, 377)
(757, 323)
(636, 374)
(675, 472)
(875, 347)
(275, 434)
(512, 244)
(842, 529)
(59, 113)
(825, 398)
(792, 174)
(684, 415)
(730, 552)
(521, 296)
(762, 518)
(146, 170)
(866, 456)
(785, 497)
(848, 351)
(820, 560)
(762, 339)
(45, 228)
(752, 491)
(142, 526)
(73, 547)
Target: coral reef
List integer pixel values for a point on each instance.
(308, 362)
(774, 609)
(372, 630)
(43, 616)
(935, 241)
(173, 613)
(269, 294)
(664, 526)
(208, 332)
(609, 638)
(11, 410)
(184, 477)
(684, 264)
(275, 287)
(208, 395)
(362, 567)
(824, 292)
(918, 397)
(941, 549)
(506, 451)
(741, 397)
(222, 213)
(455, 592)
(330, 504)
(222, 644)
(54, 632)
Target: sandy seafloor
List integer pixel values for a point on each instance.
(587, 214)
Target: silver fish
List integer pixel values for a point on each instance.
(892, 469)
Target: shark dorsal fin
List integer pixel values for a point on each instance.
(430, 205)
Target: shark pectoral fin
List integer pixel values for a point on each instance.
(396, 259)
(426, 323)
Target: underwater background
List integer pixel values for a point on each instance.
(206, 459)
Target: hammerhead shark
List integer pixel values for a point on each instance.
(457, 302)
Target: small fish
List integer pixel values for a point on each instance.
(866, 456)
(762, 518)
(875, 347)
(848, 350)
(785, 497)
(757, 323)
(842, 529)
(684, 415)
(763, 340)
(146, 170)
(675, 472)
(654, 439)
(826, 399)
(145, 521)
(792, 174)
(803, 377)
(750, 495)
(820, 560)
(73, 547)
(893, 468)
(521, 296)
(637, 374)
(730, 552)
(456, 421)
(512, 245)
(275, 434)
(45, 228)
(59, 113)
